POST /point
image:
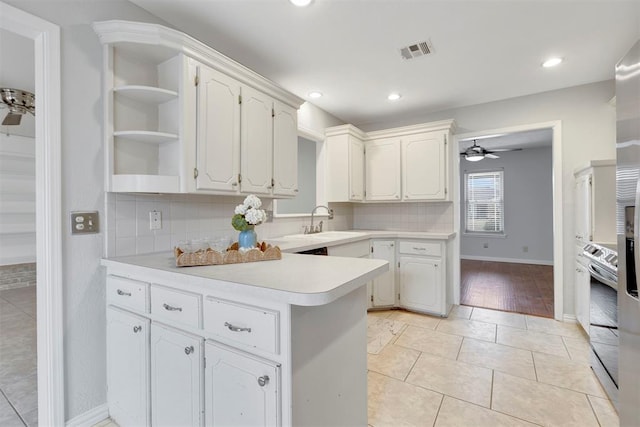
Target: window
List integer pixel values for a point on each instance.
(484, 202)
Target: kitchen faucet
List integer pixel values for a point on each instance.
(318, 228)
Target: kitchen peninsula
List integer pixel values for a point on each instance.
(266, 343)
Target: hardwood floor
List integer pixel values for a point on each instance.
(520, 288)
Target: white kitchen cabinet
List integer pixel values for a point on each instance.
(285, 150)
(218, 130)
(583, 294)
(422, 277)
(345, 164)
(241, 390)
(383, 293)
(424, 166)
(128, 368)
(176, 377)
(173, 122)
(595, 203)
(382, 170)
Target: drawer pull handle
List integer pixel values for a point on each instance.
(137, 329)
(121, 292)
(263, 380)
(189, 350)
(170, 308)
(419, 249)
(236, 328)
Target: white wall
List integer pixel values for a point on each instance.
(588, 132)
(528, 206)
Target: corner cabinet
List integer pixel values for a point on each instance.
(180, 117)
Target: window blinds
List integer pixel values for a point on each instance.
(484, 202)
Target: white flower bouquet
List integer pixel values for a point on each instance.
(248, 214)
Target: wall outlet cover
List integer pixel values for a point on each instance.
(155, 220)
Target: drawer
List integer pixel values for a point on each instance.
(249, 325)
(175, 305)
(351, 250)
(421, 248)
(127, 293)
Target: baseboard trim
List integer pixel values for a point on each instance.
(512, 260)
(91, 417)
(569, 318)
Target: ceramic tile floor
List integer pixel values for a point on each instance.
(18, 380)
(481, 367)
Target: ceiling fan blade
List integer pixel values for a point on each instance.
(12, 119)
(491, 156)
(505, 149)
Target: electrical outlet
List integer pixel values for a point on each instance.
(269, 214)
(155, 220)
(525, 249)
(85, 222)
(485, 245)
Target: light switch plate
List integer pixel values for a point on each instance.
(85, 222)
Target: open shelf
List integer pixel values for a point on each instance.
(148, 137)
(147, 94)
(145, 183)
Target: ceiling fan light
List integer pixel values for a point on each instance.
(476, 157)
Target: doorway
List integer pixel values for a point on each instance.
(536, 266)
(46, 47)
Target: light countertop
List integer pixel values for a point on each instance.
(295, 279)
(303, 242)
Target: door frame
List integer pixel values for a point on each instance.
(558, 224)
(49, 291)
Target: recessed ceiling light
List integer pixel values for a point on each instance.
(394, 96)
(551, 62)
(301, 3)
(315, 94)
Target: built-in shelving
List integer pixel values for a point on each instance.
(148, 137)
(147, 94)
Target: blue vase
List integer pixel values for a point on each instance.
(247, 239)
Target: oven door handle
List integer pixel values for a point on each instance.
(603, 276)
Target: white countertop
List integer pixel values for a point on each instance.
(295, 279)
(303, 242)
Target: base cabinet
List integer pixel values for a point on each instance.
(128, 367)
(420, 284)
(241, 390)
(383, 291)
(176, 372)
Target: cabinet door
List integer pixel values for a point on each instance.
(218, 131)
(176, 377)
(384, 290)
(128, 368)
(383, 169)
(241, 390)
(424, 160)
(583, 296)
(583, 208)
(256, 142)
(421, 284)
(285, 150)
(356, 169)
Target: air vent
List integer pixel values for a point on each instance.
(416, 50)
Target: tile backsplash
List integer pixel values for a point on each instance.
(433, 217)
(186, 217)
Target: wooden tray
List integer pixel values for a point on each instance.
(264, 252)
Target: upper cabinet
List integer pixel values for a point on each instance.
(410, 163)
(183, 118)
(345, 164)
(595, 203)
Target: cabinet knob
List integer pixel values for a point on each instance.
(263, 380)
(123, 293)
(137, 329)
(189, 350)
(234, 184)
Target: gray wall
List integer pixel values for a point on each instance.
(528, 208)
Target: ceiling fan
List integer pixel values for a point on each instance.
(19, 102)
(476, 153)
